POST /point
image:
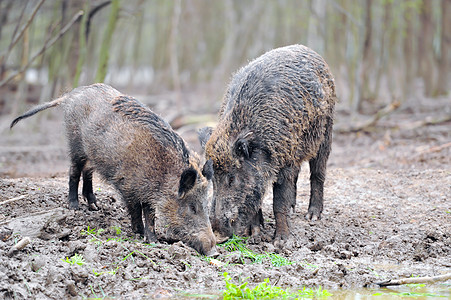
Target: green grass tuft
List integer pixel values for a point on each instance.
(237, 243)
(76, 259)
(265, 290)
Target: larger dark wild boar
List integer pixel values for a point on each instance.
(142, 157)
(277, 112)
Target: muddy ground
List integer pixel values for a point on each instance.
(387, 215)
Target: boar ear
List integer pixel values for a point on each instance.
(204, 134)
(241, 148)
(187, 181)
(207, 170)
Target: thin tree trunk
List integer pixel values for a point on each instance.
(316, 26)
(173, 57)
(443, 86)
(408, 52)
(106, 44)
(425, 50)
(366, 58)
(82, 44)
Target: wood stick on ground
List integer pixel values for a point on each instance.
(373, 120)
(13, 199)
(436, 148)
(427, 122)
(415, 280)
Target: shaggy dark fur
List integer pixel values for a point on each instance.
(142, 157)
(277, 112)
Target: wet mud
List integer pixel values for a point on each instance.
(387, 215)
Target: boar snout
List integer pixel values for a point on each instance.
(220, 238)
(205, 243)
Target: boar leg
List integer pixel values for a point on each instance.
(74, 179)
(318, 175)
(88, 193)
(284, 191)
(149, 223)
(135, 211)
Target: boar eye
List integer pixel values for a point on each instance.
(193, 208)
(231, 179)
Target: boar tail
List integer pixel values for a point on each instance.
(37, 109)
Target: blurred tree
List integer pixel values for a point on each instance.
(376, 49)
(443, 84)
(106, 43)
(425, 49)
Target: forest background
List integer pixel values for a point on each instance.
(382, 53)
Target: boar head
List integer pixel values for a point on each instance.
(185, 218)
(239, 184)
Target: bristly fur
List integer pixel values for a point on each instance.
(135, 111)
(277, 112)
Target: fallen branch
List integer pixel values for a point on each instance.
(19, 246)
(435, 148)
(373, 120)
(426, 122)
(13, 199)
(415, 280)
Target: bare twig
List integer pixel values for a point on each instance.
(434, 149)
(373, 120)
(47, 44)
(19, 246)
(415, 280)
(426, 122)
(13, 199)
(26, 25)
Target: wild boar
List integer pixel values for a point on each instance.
(277, 112)
(142, 157)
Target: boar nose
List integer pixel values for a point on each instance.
(213, 253)
(208, 243)
(220, 238)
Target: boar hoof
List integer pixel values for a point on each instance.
(93, 207)
(281, 240)
(255, 239)
(150, 237)
(73, 205)
(313, 215)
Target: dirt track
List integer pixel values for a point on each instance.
(387, 215)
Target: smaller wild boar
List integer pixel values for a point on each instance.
(142, 157)
(277, 112)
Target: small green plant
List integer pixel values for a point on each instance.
(111, 272)
(75, 259)
(279, 261)
(92, 231)
(117, 229)
(94, 234)
(415, 286)
(265, 290)
(407, 294)
(237, 243)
